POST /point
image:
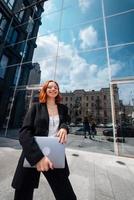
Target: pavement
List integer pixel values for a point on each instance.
(95, 175)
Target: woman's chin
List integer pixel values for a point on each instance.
(52, 95)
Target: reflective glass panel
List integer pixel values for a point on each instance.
(122, 62)
(120, 29)
(114, 6)
(80, 11)
(83, 37)
(125, 119)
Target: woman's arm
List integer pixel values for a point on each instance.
(31, 150)
(65, 119)
(63, 128)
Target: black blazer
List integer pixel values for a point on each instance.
(36, 123)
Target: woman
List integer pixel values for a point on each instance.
(46, 118)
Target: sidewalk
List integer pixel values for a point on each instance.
(94, 176)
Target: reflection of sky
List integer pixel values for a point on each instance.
(120, 29)
(116, 6)
(82, 61)
(126, 93)
(125, 58)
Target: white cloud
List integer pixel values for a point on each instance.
(88, 37)
(46, 47)
(73, 71)
(49, 12)
(49, 7)
(116, 67)
(85, 4)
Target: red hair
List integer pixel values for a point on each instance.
(43, 94)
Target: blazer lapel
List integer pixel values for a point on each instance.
(46, 116)
(60, 112)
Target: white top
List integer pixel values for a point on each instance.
(53, 125)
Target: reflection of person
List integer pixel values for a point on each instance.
(93, 129)
(86, 127)
(47, 118)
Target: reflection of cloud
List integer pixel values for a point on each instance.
(49, 6)
(47, 46)
(116, 67)
(88, 36)
(73, 71)
(85, 4)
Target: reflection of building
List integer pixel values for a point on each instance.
(14, 49)
(126, 113)
(35, 74)
(30, 97)
(94, 104)
(34, 78)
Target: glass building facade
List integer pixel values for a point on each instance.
(87, 47)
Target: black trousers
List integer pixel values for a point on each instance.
(59, 183)
(24, 194)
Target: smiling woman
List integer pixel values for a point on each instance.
(50, 88)
(86, 46)
(47, 118)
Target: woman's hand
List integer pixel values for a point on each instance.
(62, 135)
(44, 164)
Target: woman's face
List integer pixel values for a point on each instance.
(52, 90)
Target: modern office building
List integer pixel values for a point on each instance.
(19, 24)
(87, 47)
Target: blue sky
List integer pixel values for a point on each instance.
(82, 61)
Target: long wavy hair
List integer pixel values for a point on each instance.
(43, 94)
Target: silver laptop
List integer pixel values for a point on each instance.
(54, 150)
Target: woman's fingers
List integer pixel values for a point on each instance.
(51, 165)
(44, 164)
(62, 134)
(42, 168)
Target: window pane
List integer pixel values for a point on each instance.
(122, 62)
(3, 64)
(84, 37)
(30, 25)
(86, 71)
(48, 24)
(3, 23)
(16, 75)
(20, 15)
(120, 29)
(9, 36)
(10, 3)
(125, 119)
(81, 12)
(14, 36)
(52, 6)
(47, 47)
(116, 6)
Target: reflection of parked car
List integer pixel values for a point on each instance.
(72, 124)
(109, 125)
(100, 126)
(122, 131)
(79, 131)
(80, 124)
